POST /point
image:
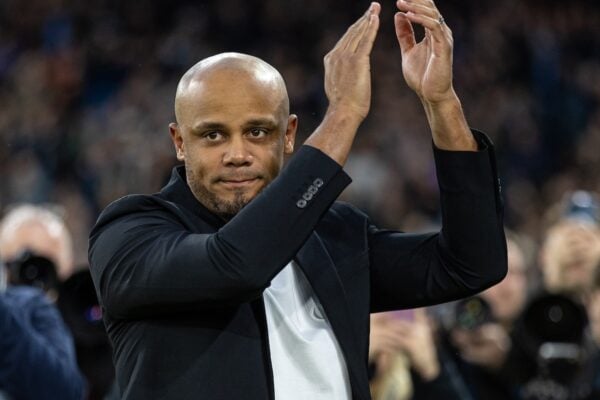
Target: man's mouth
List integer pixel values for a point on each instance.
(235, 183)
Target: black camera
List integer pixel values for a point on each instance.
(551, 332)
(31, 269)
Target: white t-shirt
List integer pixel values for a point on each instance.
(306, 357)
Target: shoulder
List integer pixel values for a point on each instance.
(134, 205)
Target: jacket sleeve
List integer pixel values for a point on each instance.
(147, 263)
(468, 254)
(38, 356)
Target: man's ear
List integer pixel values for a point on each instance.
(290, 134)
(177, 140)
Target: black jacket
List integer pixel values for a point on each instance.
(182, 289)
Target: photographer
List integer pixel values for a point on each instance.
(548, 355)
(481, 334)
(38, 356)
(552, 336)
(571, 248)
(36, 246)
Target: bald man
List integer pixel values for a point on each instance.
(242, 279)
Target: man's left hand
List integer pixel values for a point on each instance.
(427, 69)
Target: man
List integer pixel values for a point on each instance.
(570, 252)
(42, 232)
(240, 280)
(38, 355)
(483, 352)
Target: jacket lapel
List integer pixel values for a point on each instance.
(317, 265)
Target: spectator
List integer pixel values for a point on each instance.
(40, 231)
(36, 244)
(38, 358)
(483, 349)
(571, 249)
(405, 358)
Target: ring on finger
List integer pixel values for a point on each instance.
(441, 20)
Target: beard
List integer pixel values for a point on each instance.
(225, 209)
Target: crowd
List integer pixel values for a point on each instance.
(86, 94)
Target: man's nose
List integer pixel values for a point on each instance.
(237, 153)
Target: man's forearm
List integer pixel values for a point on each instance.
(335, 134)
(449, 128)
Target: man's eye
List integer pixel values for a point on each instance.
(258, 133)
(213, 135)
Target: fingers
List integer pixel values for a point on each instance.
(404, 32)
(425, 13)
(365, 45)
(365, 27)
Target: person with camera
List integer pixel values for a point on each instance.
(36, 247)
(538, 348)
(481, 333)
(38, 356)
(553, 351)
(571, 249)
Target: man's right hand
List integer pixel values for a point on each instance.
(348, 69)
(347, 86)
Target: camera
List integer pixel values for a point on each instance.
(31, 269)
(471, 313)
(551, 332)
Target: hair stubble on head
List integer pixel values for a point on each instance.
(250, 67)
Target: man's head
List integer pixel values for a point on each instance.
(507, 298)
(233, 128)
(571, 249)
(39, 230)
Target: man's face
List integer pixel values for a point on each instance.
(570, 255)
(42, 241)
(232, 133)
(507, 298)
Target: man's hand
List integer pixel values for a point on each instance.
(418, 343)
(570, 255)
(348, 69)
(347, 86)
(427, 69)
(384, 336)
(427, 65)
(414, 338)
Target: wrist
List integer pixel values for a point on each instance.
(335, 134)
(342, 115)
(448, 103)
(448, 124)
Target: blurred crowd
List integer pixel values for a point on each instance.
(86, 95)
